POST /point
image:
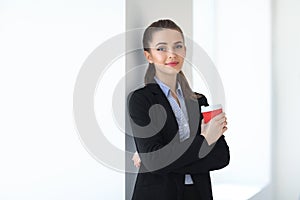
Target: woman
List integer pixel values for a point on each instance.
(177, 150)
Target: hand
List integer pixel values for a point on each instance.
(136, 160)
(214, 129)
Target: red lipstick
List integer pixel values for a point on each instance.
(172, 64)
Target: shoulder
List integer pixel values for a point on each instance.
(139, 102)
(141, 91)
(141, 97)
(147, 92)
(202, 100)
(138, 94)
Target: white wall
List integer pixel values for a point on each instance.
(237, 36)
(42, 47)
(243, 57)
(238, 23)
(286, 98)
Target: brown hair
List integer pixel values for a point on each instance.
(150, 73)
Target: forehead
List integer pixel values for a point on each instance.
(167, 36)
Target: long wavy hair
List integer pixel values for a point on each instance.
(150, 73)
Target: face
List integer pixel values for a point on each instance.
(167, 51)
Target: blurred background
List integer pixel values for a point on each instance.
(43, 45)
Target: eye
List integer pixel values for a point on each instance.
(161, 49)
(179, 46)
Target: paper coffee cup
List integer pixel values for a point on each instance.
(210, 112)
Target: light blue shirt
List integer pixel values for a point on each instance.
(180, 114)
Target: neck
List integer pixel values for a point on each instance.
(169, 80)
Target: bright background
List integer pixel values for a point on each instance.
(239, 43)
(43, 44)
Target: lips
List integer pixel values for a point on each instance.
(172, 64)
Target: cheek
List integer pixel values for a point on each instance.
(181, 54)
(159, 57)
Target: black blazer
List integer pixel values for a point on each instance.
(166, 160)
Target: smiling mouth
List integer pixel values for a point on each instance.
(172, 64)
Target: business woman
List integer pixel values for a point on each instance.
(177, 150)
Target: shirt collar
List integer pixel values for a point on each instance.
(166, 89)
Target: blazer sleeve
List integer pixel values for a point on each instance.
(213, 157)
(217, 158)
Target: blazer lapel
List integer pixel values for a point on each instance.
(193, 110)
(192, 106)
(161, 99)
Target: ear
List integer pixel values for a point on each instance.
(148, 56)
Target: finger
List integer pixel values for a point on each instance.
(138, 163)
(202, 122)
(219, 116)
(221, 119)
(223, 122)
(224, 129)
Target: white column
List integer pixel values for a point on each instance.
(140, 14)
(286, 98)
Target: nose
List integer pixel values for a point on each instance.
(172, 54)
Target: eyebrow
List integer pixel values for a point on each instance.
(164, 43)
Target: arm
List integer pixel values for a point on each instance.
(214, 153)
(217, 158)
(159, 157)
(156, 154)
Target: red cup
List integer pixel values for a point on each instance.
(210, 112)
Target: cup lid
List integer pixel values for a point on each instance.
(211, 107)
